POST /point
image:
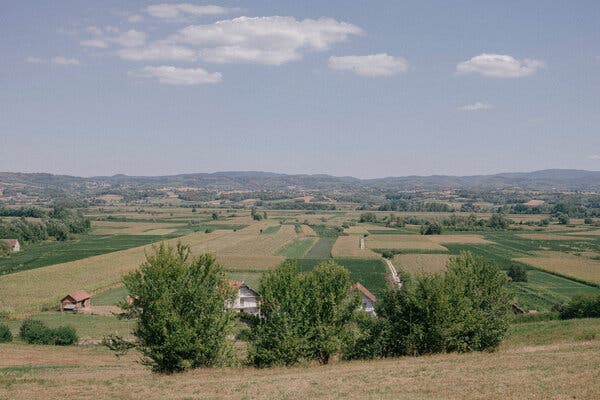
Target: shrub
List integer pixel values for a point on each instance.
(431, 228)
(517, 273)
(63, 336)
(5, 334)
(581, 306)
(35, 332)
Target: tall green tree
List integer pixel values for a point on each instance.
(178, 303)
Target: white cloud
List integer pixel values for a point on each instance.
(56, 60)
(476, 106)
(374, 65)
(594, 157)
(179, 10)
(160, 50)
(111, 35)
(499, 66)
(135, 18)
(179, 76)
(35, 60)
(263, 40)
(60, 60)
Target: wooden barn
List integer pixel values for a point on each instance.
(78, 300)
(13, 245)
(368, 299)
(246, 299)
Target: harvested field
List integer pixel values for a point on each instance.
(349, 246)
(577, 267)
(25, 292)
(418, 264)
(307, 230)
(549, 236)
(134, 228)
(402, 242)
(466, 239)
(236, 262)
(586, 233)
(45, 372)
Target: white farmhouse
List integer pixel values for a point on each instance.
(368, 299)
(13, 245)
(246, 299)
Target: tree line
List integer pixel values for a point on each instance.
(181, 322)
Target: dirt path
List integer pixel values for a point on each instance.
(394, 273)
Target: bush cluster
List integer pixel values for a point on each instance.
(5, 334)
(36, 332)
(580, 306)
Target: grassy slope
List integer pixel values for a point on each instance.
(322, 248)
(49, 253)
(297, 248)
(565, 364)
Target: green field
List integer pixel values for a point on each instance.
(297, 249)
(321, 249)
(271, 230)
(111, 297)
(87, 326)
(370, 273)
(49, 253)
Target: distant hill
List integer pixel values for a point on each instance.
(56, 185)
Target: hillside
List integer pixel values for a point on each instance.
(48, 185)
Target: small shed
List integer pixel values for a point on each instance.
(246, 299)
(368, 299)
(13, 245)
(78, 300)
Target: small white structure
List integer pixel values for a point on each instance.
(246, 299)
(368, 299)
(13, 245)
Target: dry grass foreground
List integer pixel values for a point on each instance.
(559, 371)
(579, 267)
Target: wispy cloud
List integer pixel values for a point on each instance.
(373, 65)
(594, 157)
(179, 76)
(56, 60)
(159, 51)
(499, 66)
(171, 11)
(104, 37)
(476, 106)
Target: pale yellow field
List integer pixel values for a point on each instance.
(418, 264)
(467, 239)
(561, 370)
(549, 236)
(356, 230)
(25, 292)
(349, 246)
(402, 242)
(566, 264)
(133, 228)
(233, 262)
(586, 233)
(307, 230)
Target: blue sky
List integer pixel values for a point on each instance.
(361, 88)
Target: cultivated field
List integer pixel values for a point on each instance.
(418, 264)
(349, 246)
(402, 242)
(578, 267)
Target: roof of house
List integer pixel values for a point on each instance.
(78, 295)
(364, 290)
(12, 242)
(235, 284)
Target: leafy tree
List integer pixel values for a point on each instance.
(368, 217)
(581, 306)
(305, 315)
(498, 221)
(563, 219)
(431, 228)
(5, 334)
(179, 307)
(517, 273)
(215, 216)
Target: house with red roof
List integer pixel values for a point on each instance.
(78, 300)
(368, 299)
(13, 245)
(246, 299)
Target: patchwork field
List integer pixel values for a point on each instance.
(349, 246)
(134, 228)
(402, 242)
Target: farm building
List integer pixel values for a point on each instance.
(13, 245)
(368, 299)
(78, 300)
(246, 299)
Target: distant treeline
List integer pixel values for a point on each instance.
(57, 223)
